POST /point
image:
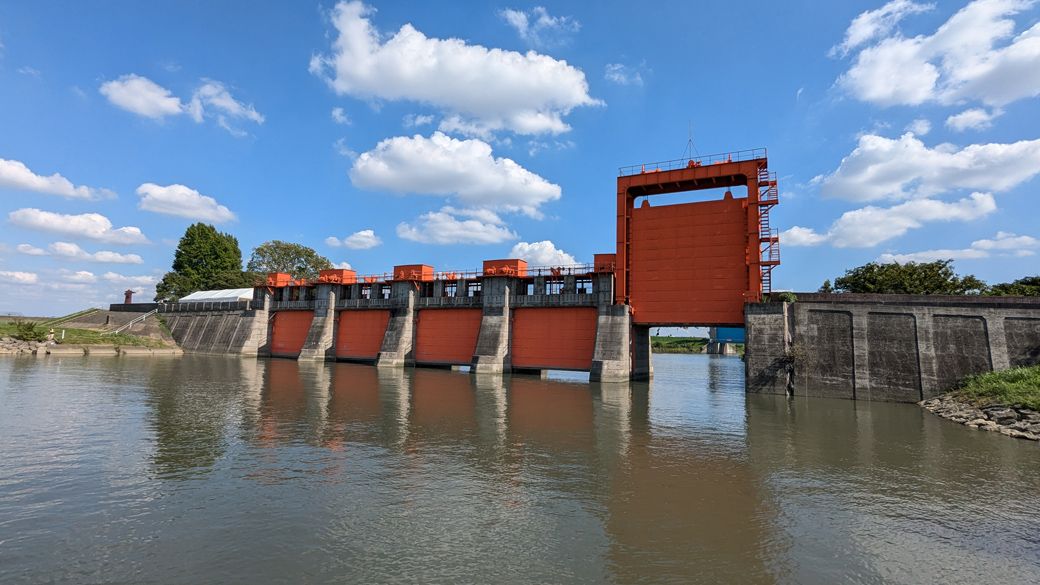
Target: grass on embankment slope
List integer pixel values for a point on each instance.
(88, 337)
(678, 344)
(1016, 387)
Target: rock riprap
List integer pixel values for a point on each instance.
(12, 345)
(1021, 423)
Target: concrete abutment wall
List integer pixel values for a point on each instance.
(902, 348)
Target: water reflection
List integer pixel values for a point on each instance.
(207, 469)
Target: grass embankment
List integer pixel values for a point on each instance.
(1015, 387)
(87, 337)
(678, 344)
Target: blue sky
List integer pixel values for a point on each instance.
(449, 133)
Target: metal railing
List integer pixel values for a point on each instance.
(204, 306)
(697, 161)
(428, 302)
(131, 323)
(364, 303)
(291, 305)
(551, 300)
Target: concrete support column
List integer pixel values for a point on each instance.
(998, 352)
(320, 342)
(491, 355)
(438, 288)
(612, 360)
(603, 288)
(539, 285)
(570, 284)
(460, 288)
(259, 341)
(396, 351)
(861, 355)
(642, 353)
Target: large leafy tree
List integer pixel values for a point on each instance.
(914, 278)
(295, 259)
(1023, 287)
(205, 259)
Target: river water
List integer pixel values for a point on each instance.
(220, 470)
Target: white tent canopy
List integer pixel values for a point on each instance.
(219, 296)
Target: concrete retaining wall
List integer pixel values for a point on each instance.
(902, 348)
(238, 332)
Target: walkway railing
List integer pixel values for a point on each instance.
(427, 302)
(131, 322)
(203, 306)
(364, 303)
(697, 161)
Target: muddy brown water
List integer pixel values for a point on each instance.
(216, 470)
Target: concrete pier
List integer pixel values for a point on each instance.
(612, 361)
(319, 343)
(491, 355)
(398, 340)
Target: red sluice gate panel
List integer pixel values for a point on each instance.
(289, 332)
(447, 336)
(556, 338)
(689, 263)
(359, 334)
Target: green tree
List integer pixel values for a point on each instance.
(295, 259)
(205, 258)
(826, 288)
(1023, 287)
(913, 278)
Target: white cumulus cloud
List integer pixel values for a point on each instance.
(622, 74)
(79, 276)
(974, 55)
(117, 278)
(182, 201)
(18, 277)
(464, 170)
(416, 120)
(213, 99)
(482, 90)
(886, 168)
(919, 127)
(359, 240)
(539, 28)
(339, 116)
(872, 24)
(93, 226)
(973, 119)
(74, 252)
(343, 266)
(142, 96)
(1003, 244)
(456, 226)
(544, 253)
(30, 250)
(70, 251)
(15, 175)
(869, 226)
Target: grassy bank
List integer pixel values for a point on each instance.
(88, 337)
(1016, 387)
(678, 344)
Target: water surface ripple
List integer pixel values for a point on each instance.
(219, 470)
